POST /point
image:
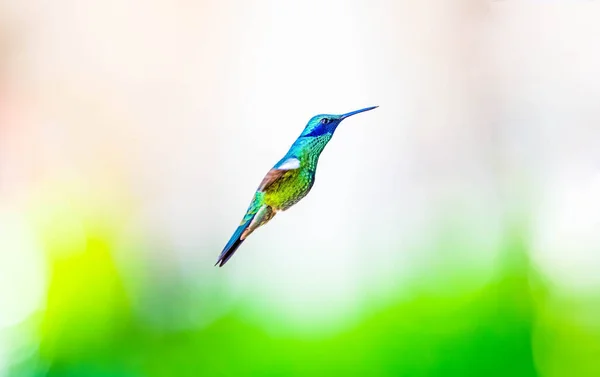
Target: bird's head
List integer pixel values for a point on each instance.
(327, 123)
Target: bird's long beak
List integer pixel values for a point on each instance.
(344, 116)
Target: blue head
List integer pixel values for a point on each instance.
(324, 124)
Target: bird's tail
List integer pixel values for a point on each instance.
(234, 242)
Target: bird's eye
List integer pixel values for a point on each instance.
(325, 120)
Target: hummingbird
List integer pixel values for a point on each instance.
(290, 180)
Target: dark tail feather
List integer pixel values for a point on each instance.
(232, 245)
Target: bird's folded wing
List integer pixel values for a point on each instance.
(278, 171)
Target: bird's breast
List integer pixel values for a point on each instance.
(289, 188)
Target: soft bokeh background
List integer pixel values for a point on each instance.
(454, 231)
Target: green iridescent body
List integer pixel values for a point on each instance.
(295, 184)
(290, 180)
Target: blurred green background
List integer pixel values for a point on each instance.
(91, 325)
(454, 231)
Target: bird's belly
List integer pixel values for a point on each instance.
(289, 189)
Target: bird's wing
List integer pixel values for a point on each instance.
(278, 171)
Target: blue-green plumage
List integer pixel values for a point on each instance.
(290, 180)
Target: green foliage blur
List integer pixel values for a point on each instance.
(507, 328)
